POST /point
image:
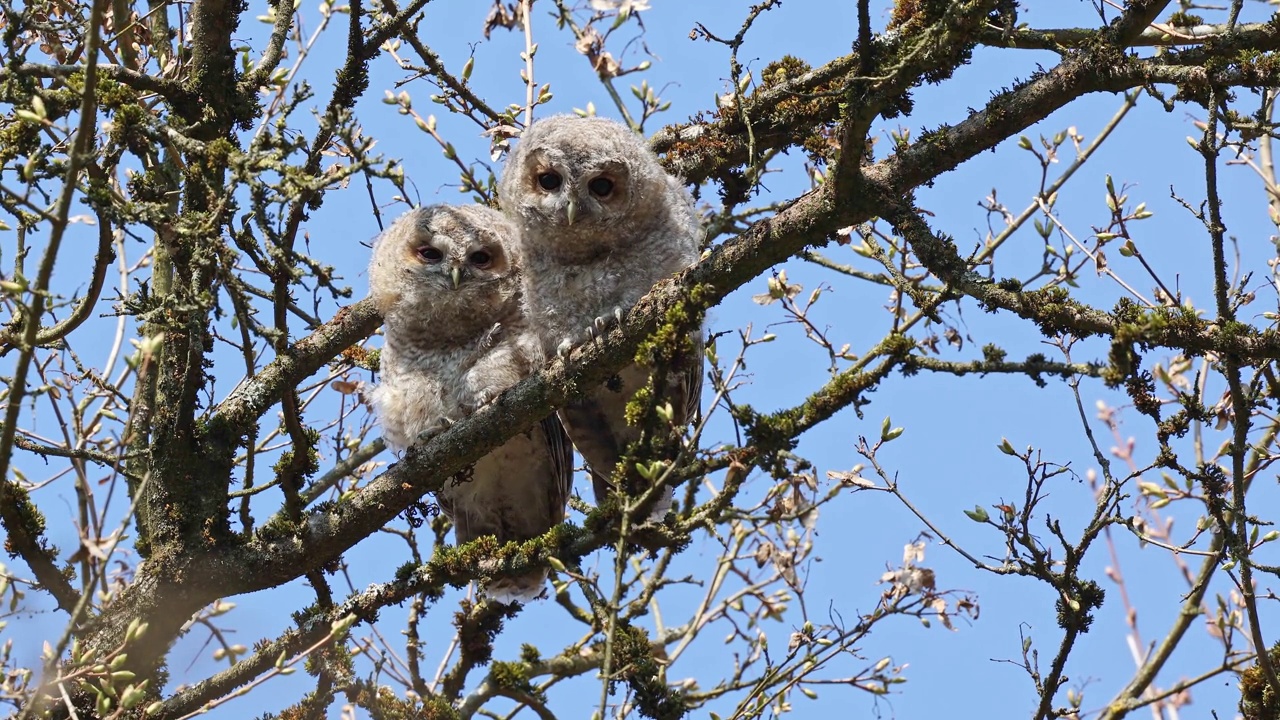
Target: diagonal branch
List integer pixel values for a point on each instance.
(1138, 15)
(250, 400)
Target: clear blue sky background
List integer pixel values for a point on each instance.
(947, 460)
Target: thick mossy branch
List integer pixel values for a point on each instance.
(25, 538)
(478, 625)
(1056, 314)
(1034, 367)
(449, 566)
(633, 656)
(213, 76)
(1249, 35)
(1258, 700)
(249, 401)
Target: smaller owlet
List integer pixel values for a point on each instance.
(600, 222)
(447, 281)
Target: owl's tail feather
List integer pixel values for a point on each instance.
(662, 506)
(519, 589)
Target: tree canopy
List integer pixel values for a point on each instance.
(947, 370)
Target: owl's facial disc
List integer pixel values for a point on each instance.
(570, 190)
(443, 258)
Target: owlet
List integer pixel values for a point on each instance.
(600, 222)
(447, 280)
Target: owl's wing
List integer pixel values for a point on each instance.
(690, 381)
(597, 423)
(560, 450)
(686, 381)
(449, 507)
(534, 490)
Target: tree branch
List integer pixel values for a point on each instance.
(101, 262)
(250, 400)
(22, 522)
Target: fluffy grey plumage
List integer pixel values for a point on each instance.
(600, 222)
(447, 281)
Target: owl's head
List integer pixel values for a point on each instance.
(444, 259)
(586, 180)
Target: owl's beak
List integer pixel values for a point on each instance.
(571, 211)
(456, 274)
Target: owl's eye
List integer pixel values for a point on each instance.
(430, 255)
(600, 187)
(548, 181)
(481, 259)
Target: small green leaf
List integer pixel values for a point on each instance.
(1152, 489)
(133, 695)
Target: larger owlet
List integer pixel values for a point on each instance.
(447, 281)
(600, 222)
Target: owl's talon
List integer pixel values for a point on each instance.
(435, 428)
(491, 336)
(483, 398)
(598, 326)
(564, 348)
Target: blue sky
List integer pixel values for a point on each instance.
(947, 460)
